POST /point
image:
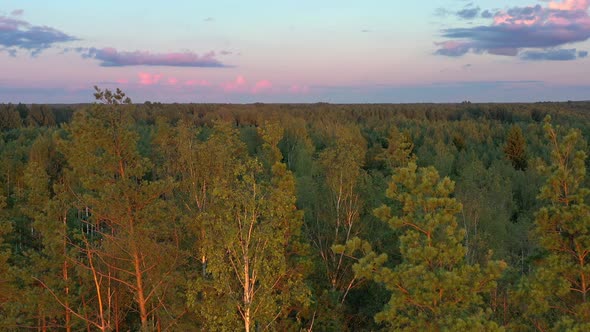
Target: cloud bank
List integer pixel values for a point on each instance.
(531, 32)
(236, 86)
(554, 55)
(111, 57)
(18, 34)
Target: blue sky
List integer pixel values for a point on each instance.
(295, 51)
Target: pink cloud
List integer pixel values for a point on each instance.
(261, 86)
(560, 13)
(122, 81)
(172, 80)
(149, 79)
(570, 5)
(236, 85)
(519, 28)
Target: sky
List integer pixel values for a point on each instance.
(295, 51)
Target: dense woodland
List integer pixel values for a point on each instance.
(314, 217)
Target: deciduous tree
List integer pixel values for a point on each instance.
(253, 235)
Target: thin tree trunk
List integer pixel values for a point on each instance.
(66, 277)
(116, 310)
(247, 299)
(43, 323)
(86, 315)
(141, 301)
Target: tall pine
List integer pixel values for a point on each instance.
(557, 294)
(515, 148)
(7, 290)
(433, 288)
(130, 246)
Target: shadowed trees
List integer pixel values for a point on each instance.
(515, 148)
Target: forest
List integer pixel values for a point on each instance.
(117, 216)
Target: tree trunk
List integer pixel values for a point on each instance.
(247, 319)
(141, 300)
(65, 276)
(247, 299)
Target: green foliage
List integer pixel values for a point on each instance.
(109, 97)
(486, 196)
(556, 295)
(134, 238)
(7, 291)
(40, 116)
(253, 244)
(399, 151)
(126, 217)
(515, 148)
(433, 287)
(9, 117)
(296, 146)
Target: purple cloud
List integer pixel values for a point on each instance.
(468, 13)
(487, 14)
(453, 48)
(515, 30)
(553, 55)
(19, 34)
(110, 57)
(17, 12)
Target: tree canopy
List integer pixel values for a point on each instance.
(116, 216)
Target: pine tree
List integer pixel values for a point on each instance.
(40, 115)
(131, 245)
(40, 262)
(433, 288)
(515, 148)
(9, 117)
(400, 149)
(36, 306)
(7, 290)
(556, 295)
